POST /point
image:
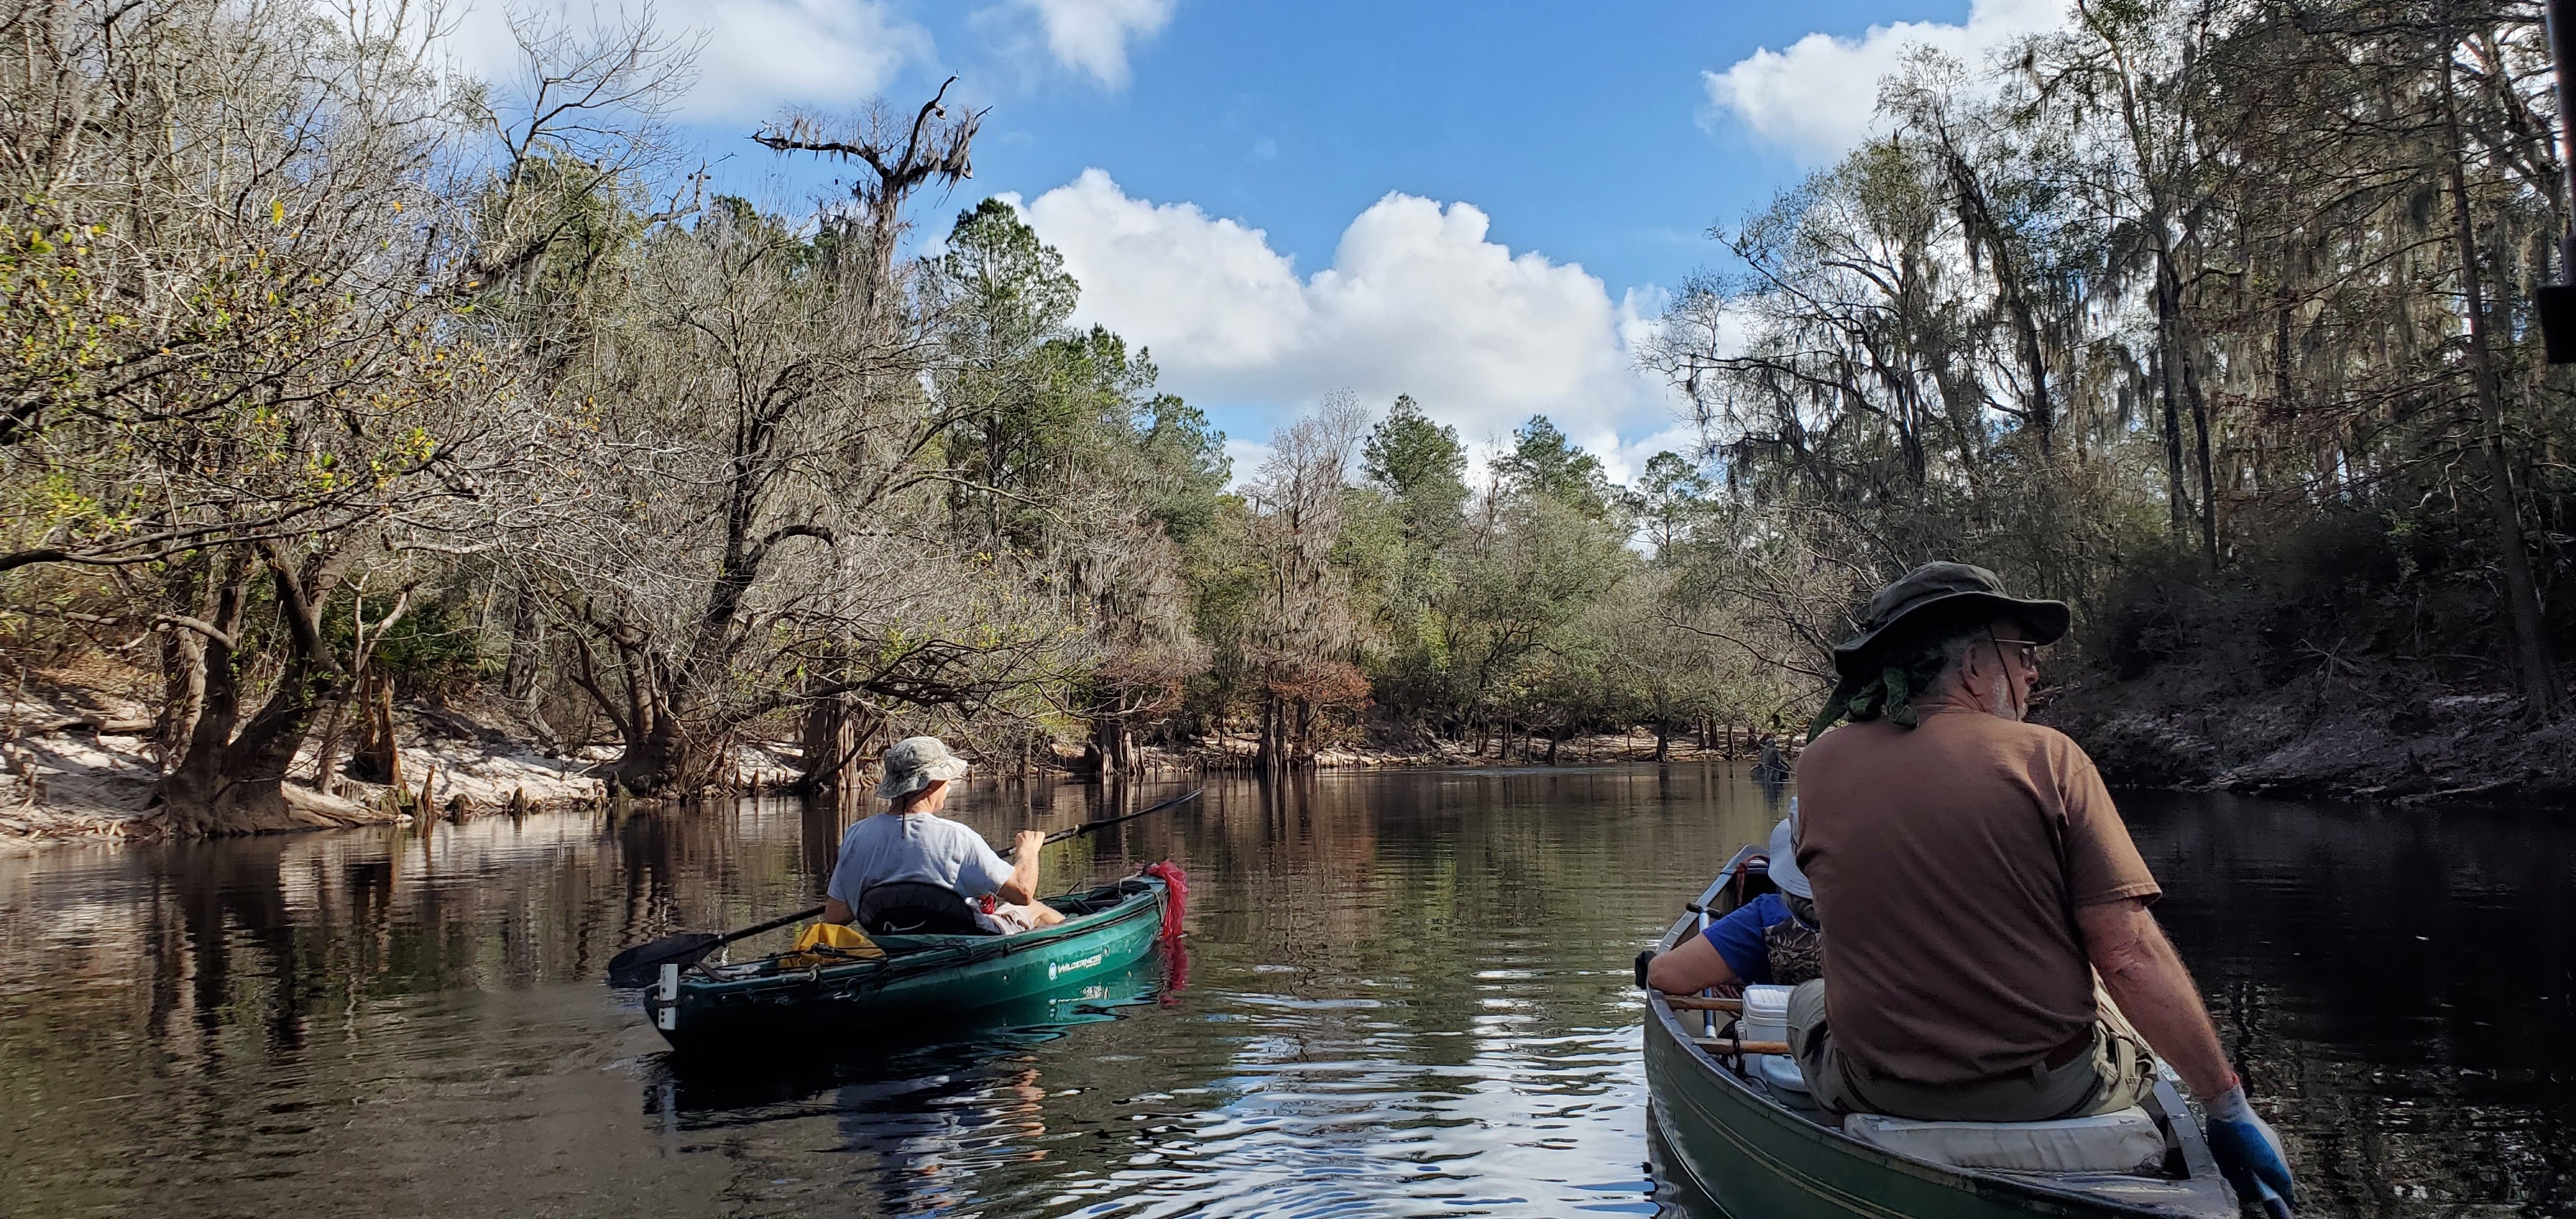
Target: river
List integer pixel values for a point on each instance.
(1401, 993)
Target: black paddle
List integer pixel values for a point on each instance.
(637, 966)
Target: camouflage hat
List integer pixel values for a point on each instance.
(917, 762)
(1942, 594)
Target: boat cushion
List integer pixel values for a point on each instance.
(2126, 1141)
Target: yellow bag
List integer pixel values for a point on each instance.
(829, 944)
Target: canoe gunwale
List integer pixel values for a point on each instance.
(1981, 1192)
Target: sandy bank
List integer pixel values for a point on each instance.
(83, 766)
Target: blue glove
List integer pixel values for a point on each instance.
(2249, 1154)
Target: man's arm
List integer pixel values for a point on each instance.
(836, 911)
(2146, 978)
(1720, 955)
(1022, 887)
(1692, 966)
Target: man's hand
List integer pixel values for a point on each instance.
(2249, 1153)
(1026, 845)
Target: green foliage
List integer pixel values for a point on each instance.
(2163, 315)
(434, 640)
(1543, 461)
(1015, 286)
(1669, 500)
(1421, 465)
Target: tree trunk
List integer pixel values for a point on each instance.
(1113, 745)
(183, 656)
(1272, 756)
(831, 740)
(2200, 432)
(2538, 669)
(233, 779)
(2177, 500)
(655, 760)
(527, 639)
(376, 758)
(326, 780)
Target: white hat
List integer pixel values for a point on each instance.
(916, 762)
(1784, 858)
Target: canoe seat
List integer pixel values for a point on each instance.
(2127, 1141)
(912, 907)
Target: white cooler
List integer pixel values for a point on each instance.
(1766, 1018)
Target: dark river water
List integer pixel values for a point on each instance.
(1401, 993)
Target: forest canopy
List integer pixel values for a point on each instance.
(338, 376)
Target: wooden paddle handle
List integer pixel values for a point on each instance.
(1694, 1003)
(1729, 1045)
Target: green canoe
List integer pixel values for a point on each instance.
(1759, 1151)
(746, 1007)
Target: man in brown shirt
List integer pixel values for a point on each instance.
(1973, 876)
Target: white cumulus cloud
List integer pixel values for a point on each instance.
(1092, 35)
(1417, 300)
(755, 56)
(1816, 99)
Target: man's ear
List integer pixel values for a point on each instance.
(1977, 671)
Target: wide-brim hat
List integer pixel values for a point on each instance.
(1943, 595)
(1784, 859)
(917, 762)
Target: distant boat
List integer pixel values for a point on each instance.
(1771, 767)
(772, 1006)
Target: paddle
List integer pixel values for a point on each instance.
(1105, 822)
(637, 966)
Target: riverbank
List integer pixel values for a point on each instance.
(1398, 749)
(80, 764)
(2338, 733)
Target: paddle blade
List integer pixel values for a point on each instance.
(638, 966)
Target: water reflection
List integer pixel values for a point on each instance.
(1402, 989)
(2400, 980)
(1402, 994)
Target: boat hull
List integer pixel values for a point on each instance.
(922, 979)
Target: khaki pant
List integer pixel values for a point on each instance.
(2118, 1074)
(1007, 919)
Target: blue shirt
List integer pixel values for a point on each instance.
(1740, 940)
(919, 846)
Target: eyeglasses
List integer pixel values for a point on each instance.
(2027, 649)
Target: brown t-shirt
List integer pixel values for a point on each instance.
(1948, 861)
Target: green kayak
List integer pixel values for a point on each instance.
(746, 1007)
(1760, 1150)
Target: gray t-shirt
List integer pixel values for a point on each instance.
(917, 846)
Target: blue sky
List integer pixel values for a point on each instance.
(1478, 204)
